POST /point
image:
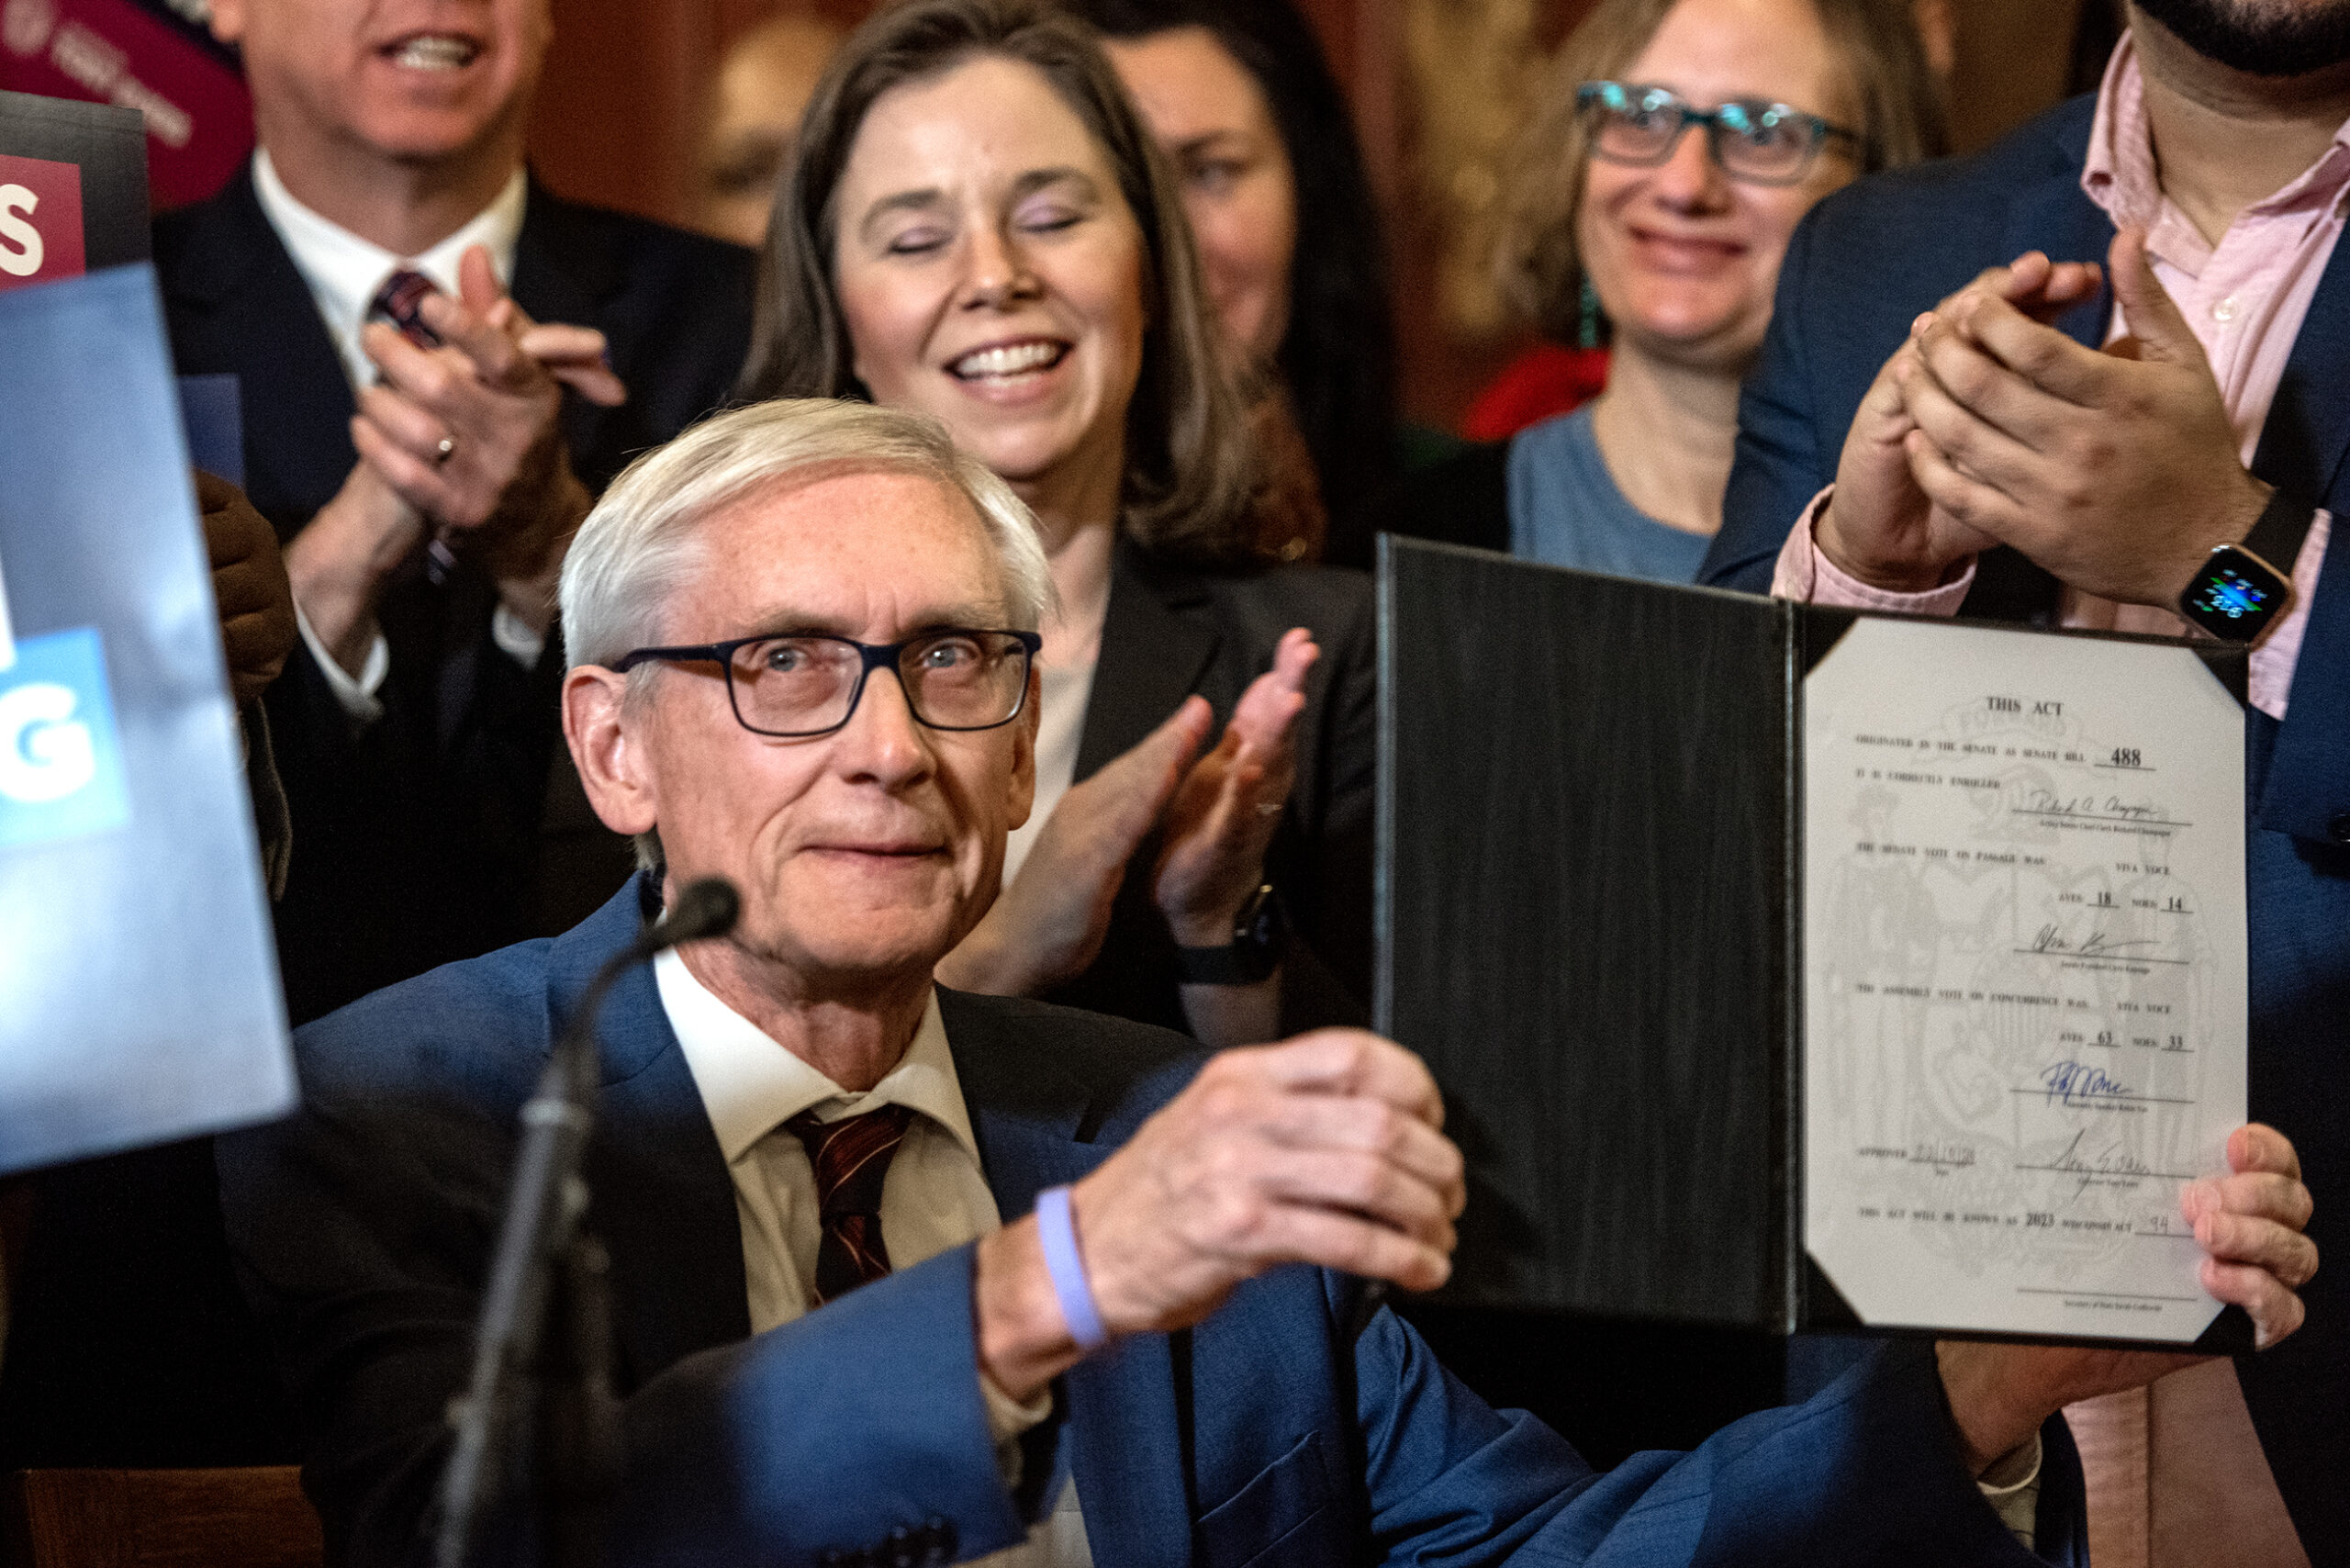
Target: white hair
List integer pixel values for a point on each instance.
(643, 542)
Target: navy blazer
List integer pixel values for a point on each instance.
(417, 841)
(363, 1227)
(1859, 269)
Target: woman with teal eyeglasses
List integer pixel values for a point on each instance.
(1647, 207)
(1675, 150)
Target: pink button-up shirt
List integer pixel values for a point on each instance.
(2245, 299)
(2177, 1478)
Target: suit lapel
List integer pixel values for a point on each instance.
(2053, 215)
(662, 1200)
(563, 269)
(2307, 430)
(1154, 646)
(1128, 1429)
(2057, 216)
(260, 321)
(568, 268)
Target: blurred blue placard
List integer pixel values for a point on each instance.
(140, 990)
(212, 413)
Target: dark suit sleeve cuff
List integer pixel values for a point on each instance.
(1887, 1482)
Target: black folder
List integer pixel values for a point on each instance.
(1589, 923)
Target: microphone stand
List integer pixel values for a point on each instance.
(539, 1415)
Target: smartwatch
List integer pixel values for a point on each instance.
(2236, 593)
(1260, 937)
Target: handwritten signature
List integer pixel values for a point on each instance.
(2048, 803)
(2113, 1162)
(2096, 944)
(2076, 1082)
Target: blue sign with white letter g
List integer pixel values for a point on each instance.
(61, 759)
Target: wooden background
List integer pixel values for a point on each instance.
(616, 119)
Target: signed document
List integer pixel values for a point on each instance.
(2024, 976)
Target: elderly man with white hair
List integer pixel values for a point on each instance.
(902, 1275)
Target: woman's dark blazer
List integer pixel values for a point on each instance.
(1170, 632)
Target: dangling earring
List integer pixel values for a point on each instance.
(1588, 330)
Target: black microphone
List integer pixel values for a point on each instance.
(540, 1228)
(707, 907)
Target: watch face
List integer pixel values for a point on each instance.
(2225, 596)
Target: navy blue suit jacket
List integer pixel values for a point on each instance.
(363, 1227)
(1859, 268)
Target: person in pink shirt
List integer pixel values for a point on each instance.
(2062, 382)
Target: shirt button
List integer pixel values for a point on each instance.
(2225, 310)
(2338, 829)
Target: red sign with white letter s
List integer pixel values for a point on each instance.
(40, 221)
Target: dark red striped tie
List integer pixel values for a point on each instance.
(851, 1158)
(400, 302)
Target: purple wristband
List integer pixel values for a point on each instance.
(1059, 1233)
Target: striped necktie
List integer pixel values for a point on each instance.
(400, 303)
(851, 1158)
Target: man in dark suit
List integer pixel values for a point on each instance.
(425, 494)
(801, 638)
(2014, 455)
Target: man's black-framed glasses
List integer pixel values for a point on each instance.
(798, 686)
(1753, 139)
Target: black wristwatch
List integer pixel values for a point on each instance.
(2239, 591)
(1260, 937)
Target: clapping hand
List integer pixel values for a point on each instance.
(1049, 923)
(1881, 526)
(2117, 471)
(1222, 820)
(2249, 1225)
(466, 432)
(1218, 813)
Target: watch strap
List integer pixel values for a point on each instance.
(1232, 965)
(2276, 538)
(1260, 936)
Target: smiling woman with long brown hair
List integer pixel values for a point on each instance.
(977, 227)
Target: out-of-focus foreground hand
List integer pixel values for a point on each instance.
(256, 601)
(2248, 1223)
(1326, 1150)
